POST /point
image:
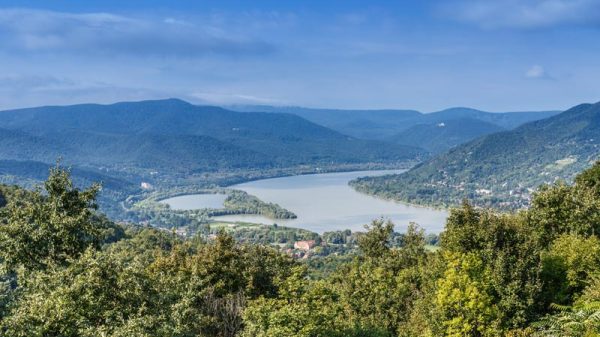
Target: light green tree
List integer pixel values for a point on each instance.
(462, 300)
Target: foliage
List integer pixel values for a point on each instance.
(462, 299)
(439, 137)
(52, 228)
(576, 260)
(580, 321)
(502, 169)
(240, 202)
(368, 297)
(525, 274)
(376, 243)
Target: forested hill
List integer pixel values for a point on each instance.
(175, 135)
(442, 136)
(502, 168)
(384, 124)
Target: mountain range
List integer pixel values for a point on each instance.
(177, 137)
(121, 143)
(410, 127)
(502, 168)
(442, 136)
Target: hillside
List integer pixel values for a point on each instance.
(175, 135)
(366, 124)
(442, 136)
(501, 169)
(505, 120)
(383, 124)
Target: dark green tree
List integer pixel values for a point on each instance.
(376, 242)
(50, 226)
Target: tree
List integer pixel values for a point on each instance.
(206, 287)
(579, 321)
(100, 294)
(562, 208)
(509, 250)
(576, 260)
(376, 242)
(304, 309)
(590, 179)
(379, 289)
(462, 299)
(50, 227)
(413, 246)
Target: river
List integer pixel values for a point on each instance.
(324, 202)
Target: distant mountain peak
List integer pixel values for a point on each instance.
(509, 163)
(459, 108)
(166, 101)
(176, 101)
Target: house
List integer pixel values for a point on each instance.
(304, 245)
(146, 186)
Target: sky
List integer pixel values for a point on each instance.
(494, 55)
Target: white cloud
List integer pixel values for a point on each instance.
(22, 90)
(536, 71)
(29, 30)
(524, 13)
(226, 99)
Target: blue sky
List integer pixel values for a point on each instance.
(497, 55)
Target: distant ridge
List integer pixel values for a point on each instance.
(409, 127)
(441, 136)
(174, 135)
(501, 169)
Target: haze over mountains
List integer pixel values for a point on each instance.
(503, 167)
(123, 142)
(175, 136)
(434, 132)
(442, 136)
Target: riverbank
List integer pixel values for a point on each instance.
(220, 183)
(325, 202)
(318, 202)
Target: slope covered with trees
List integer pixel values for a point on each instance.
(501, 169)
(171, 143)
(442, 136)
(383, 124)
(68, 271)
(175, 135)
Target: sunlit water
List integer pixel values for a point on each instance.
(325, 202)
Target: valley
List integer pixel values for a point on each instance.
(146, 151)
(227, 168)
(323, 203)
(503, 169)
(161, 148)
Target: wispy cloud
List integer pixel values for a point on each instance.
(337, 54)
(536, 72)
(109, 34)
(524, 13)
(20, 90)
(226, 99)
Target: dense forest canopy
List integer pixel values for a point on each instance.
(68, 271)
(134, 147)
(176, 136)
(502, 169)
(388, 123)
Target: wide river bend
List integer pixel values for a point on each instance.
(323, 202)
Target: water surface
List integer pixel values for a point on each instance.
(325, 202)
